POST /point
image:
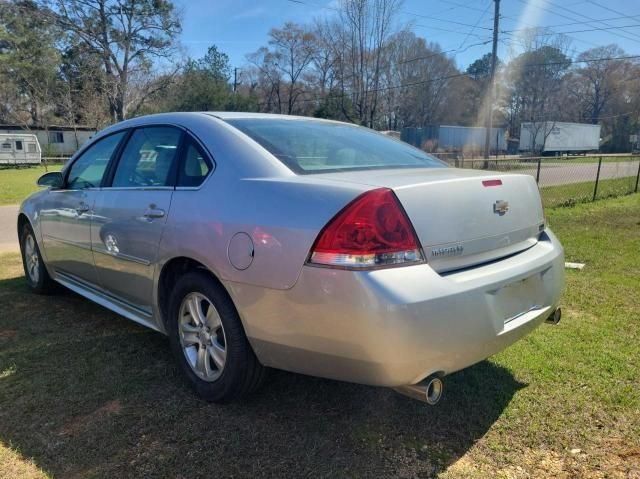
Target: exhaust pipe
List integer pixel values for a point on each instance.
(428, 390)
(555, 317)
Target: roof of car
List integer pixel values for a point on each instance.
(233, 115)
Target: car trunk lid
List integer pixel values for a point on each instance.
(463, 217)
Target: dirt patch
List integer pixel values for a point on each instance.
(8, 333)
(79, 424)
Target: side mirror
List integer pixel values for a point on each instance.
(53, 179)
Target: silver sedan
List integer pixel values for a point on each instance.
(313, 246)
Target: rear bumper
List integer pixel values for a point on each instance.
(396, 326)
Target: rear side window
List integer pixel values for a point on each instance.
(312, 146)
(88, 170)
(149, 158)
(195, 166)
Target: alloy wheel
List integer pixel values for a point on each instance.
(202, 336)
(32, 259)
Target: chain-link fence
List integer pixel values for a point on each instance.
(564, 181)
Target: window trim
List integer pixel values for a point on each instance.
(56, 133)
(107, 178)
(107, 182)
(69, 167)
(183, 158)
(208, 154)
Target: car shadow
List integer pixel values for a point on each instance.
(84, 392)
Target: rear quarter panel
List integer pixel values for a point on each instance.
(283, 217)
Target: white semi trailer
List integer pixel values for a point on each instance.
(19, 149)
(559, 137)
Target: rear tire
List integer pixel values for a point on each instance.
(35, 271)
(208, 340)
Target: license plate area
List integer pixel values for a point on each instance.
(518, 298)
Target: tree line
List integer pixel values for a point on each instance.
(95, 62)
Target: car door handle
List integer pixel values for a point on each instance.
(82, 208)
(151, 213)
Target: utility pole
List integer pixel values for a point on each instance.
(494, 54)
(235, 79)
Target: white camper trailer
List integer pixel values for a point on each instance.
(19, 149)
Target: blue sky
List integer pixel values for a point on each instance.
(239, 27)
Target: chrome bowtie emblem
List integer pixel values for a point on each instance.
(500, 207)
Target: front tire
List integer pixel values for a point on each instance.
(208, 340)
(35, 271)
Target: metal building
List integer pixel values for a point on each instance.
(454, 138)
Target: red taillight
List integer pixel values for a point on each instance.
(372, 230)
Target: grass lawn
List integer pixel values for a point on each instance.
(17, 183)
(85, 393)
(594, 159)
(571, 194)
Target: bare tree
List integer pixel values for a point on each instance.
(325, 57)
(420, 80)
(534, 79)
(294, 49)
(127, 35)
(593, 85)
(267, 79)
(369, 25)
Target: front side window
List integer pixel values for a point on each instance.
(195, 167)
(88, 170)
(18, 145)
(312, 146)
(149, 158)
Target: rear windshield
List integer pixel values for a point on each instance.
(312, 146)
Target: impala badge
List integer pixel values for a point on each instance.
(500, 207)
(454, 250)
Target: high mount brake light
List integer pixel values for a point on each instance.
(492, 183)
(371, 231)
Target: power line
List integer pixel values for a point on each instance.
(468, 7)
(552, 32)
(476, 9)
(476, 24)
(594, 20)
(576, 31)
(592, 60)
(446, 20)
(379, 89)
(418, 15)
(452, 76)
(457, 50)
(570, 18)
(448, 30)
(607, 8)
(582, 22)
